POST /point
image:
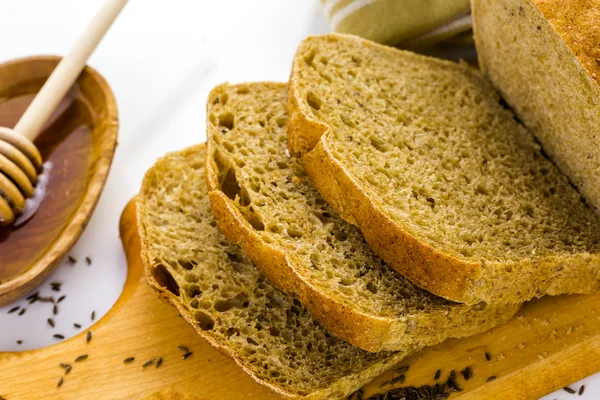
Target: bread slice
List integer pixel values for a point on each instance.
(441, 179)
(263, 200)
(229, 302)
(544, 57)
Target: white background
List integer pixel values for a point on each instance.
(161, 59)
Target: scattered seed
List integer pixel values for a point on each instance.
(184, 349)
(488, 356)
(399, 379)
(467, 373)
(51, 322)
(59, 336)
(186, 355)
(56, 286)
(78, 326)
(93, 315)
(33, 296)
(72, 259)
(159, 362)
(81, 357)
(88, 337)
(568, 390)
(22, 311)
(46, 299)
(64, 365)
(60, 382)
(19, 342)
(437, 374)
(581, 389)
(61, 298)
(491, 378)
(88, 261)
(12, 310)
(128, 360)
(55, 310)
(451, 382)
(402, 370)
(68, 369)
(148, 363)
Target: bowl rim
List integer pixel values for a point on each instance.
(18, 286)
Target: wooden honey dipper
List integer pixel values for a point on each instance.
(20, 160)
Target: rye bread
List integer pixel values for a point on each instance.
(229, 302)
(263, 200)
(440, 177)
(544, 57)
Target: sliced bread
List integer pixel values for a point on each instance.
(544, 57)
(228, 301)
(443, 182)
(263, 200)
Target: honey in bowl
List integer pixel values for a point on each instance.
(66, 148)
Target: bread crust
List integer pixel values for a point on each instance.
(439, 272)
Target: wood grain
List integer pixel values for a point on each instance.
(18, 76)
(551, 343)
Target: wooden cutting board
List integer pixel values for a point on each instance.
(551, 343)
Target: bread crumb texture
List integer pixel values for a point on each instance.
(247, 146)
(228, 301)
(446, 162)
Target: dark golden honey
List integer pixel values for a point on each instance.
(66, 142)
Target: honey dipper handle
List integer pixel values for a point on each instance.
(67, 71)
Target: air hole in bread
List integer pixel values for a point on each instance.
(372, 287)
(163, 277)
(205, 322)
(274, 331)
(308, 58)
(294, 233)
(224, 99)
(226, 120)
(193, 291)
(234, 257)
(313, 101)
(339, 234)
(188, 265)
(379, 144)
(324, 217)
(239, 301)
(254, 219)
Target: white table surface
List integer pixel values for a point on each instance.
(161, 59)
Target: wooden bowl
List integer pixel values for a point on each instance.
(92, 105)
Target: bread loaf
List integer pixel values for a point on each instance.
(544, 57)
